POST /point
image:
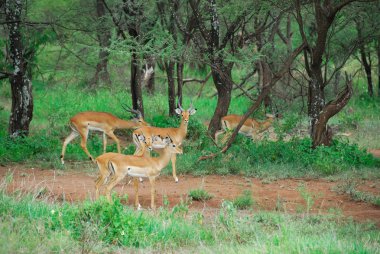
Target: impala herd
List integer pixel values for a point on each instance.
(167, 142)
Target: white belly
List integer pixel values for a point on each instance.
(92, 128)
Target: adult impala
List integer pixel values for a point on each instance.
(114, 167)
(177, 134)
(250, 128)
(83, 122)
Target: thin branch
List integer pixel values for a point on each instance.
(120, 30)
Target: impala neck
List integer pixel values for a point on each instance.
(164, 158)
(182, 130)
(123, 124)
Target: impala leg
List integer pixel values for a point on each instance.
(104, 142)
(217, 135)
(69, 138)
(111, 135)
(83, 144)
(101, 180)
(136, 185)
(112, 183)
(174, 159)
(152, 181)
(98, 182)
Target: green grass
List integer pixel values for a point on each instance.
(349, 187)
(244, 201)
(199, 195)
(261, 159)
(32, 226)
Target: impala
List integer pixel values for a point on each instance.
(117, 166)
(250, 128)
(177, 134)
(83, 122)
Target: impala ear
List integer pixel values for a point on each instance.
(141, 137)
(192, 111)
(178, 111)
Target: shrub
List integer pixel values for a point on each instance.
(199, 195)
(244, 201)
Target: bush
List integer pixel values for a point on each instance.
(199, 195)
(244, 201)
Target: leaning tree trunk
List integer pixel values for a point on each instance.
(169, 67)
(21, 86)
(104, 37)
(223, 83)
(322, 133)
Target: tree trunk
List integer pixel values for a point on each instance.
(322, 133)
(336, 82)
(367, 69)
(316, 97)
(150, 83)
(378, 66)
(223, 83)
(180, 67)
(137, 101)
(169, 66)
(133, 12)
(21, 86)
(104, 37)
(265, 79)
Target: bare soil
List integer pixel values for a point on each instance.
(283, 195)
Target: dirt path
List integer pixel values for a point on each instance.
(281, 194)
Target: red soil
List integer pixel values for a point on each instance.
(284, 194)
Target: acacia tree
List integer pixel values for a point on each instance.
(103, 33)
(21, 85)
(319, 111)
(216, 43)
(132, 11)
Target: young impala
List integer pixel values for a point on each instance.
(177, 134)
(250, 128)
(83, 122)
(115, 167)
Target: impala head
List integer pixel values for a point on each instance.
(138, 118)
(186, 113)
(147, 140)
(173, 146)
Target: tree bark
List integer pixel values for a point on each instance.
(169, 66)
(137, 101)
(363, 56)
(367, 69)
(378, 66)
(180, 67)
(150, 82)
(104, 37)
(21, 85)
(223, 82)
(132, 13)
(322, 134)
